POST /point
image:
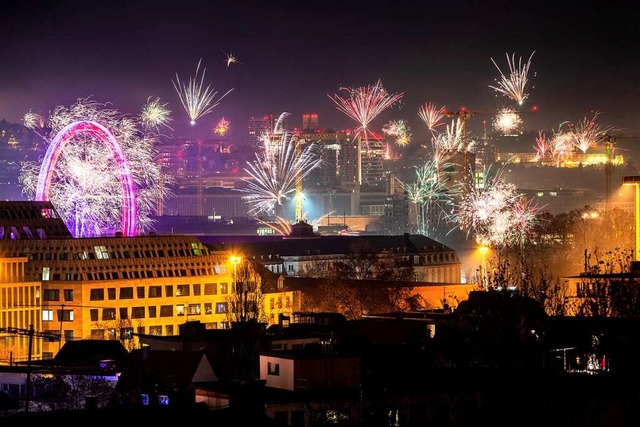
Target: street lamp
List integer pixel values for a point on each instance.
(635, 181)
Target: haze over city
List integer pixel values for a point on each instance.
(291, 55)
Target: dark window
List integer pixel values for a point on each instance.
(152, 311)
(68, 294)
(196, 289)
(155, 291)
(109, 314)
(51, 295)
(168, 290)
(140, 291)
(126, 293)
(96, 295)
(93, 313)
(182, 290)
(123, 313)
(137, 313)
(166, 311)
(65, 315)
(210, 288)
(111, 293)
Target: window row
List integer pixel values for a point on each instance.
(133, 274)
(155, 291)
(121, 313)
(127, 333)
(278, 300)
(102, 252)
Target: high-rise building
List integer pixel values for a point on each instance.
(309, 122)
(259, 125)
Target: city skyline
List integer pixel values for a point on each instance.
(288, 56)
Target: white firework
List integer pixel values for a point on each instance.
(507, 121)
(86, 187)
(155, 114)
(196, 98)
(275, 171)
(516, 83)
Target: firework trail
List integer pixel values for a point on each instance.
(197, 99)
(400, 130)
(155, 114)
(275, 171)
(86, 188)
(507, 121)
(222, 127)
(279, 226)
(515, 85)
(587, 133)
(431, 115)
(542, 146)
(428, 193)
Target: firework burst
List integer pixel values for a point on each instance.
(495, 213)
(515, 85)
(275, 171)
(230, 58)
(507, 121)
(222, 127)
(561, 144)
(197, 99)
(33, 120)
(587, 133)
(399, 130)
(155, 114)
(86, 186)
(363, 104)
(542, 146)
(429, 194)
(431, 115)
(453, 138)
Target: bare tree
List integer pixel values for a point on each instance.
(245, 302)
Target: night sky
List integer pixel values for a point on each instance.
(292, 54)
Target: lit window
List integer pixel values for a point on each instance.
(45, 273)
(101, 252)
(47, 315)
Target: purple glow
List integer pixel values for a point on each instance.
(102, 134)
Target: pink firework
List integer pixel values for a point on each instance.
(363, 104)
(542, 146)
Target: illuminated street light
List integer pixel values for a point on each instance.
(635, 181)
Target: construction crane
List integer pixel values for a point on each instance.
(31, 333)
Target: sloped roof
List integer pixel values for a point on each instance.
(90, 353)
